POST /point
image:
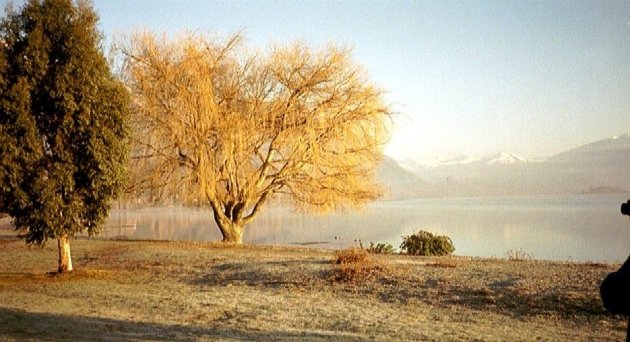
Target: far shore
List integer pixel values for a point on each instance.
(160, 290)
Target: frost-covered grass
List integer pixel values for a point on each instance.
(124, 290)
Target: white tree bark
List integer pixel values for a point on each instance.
(65, 258)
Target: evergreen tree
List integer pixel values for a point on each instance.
(63, 136)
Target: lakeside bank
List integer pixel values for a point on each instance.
(151, 290)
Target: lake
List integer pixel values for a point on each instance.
(562, 227)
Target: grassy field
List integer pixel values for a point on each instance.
(164, 291)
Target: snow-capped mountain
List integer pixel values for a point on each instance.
(456, 160)
(504, 158)
(451, 159)
(604, 164)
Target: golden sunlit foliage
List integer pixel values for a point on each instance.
(217, 124)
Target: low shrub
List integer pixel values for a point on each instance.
(425, 243)
(381, 248)
(354, 265)
(518, 255)
(357, 273)
(351, 255)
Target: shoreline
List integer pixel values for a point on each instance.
(315, 246)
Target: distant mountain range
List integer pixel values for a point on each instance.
(398, 182)
(602, 166)
(499, 158)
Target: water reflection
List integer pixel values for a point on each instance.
(169, 223)
(580, 228)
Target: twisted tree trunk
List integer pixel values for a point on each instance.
(65, 259)
(232, 232)
(229, 219)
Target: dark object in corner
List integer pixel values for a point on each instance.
(615, 292)
(615, 289)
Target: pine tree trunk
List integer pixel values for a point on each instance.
(65, 259)
(232, 233)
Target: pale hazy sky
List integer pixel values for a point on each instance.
(532, 78)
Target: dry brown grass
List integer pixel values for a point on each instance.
(357, 273)
(352, 255)
(124, 290)
(444, 263)
(354, 265)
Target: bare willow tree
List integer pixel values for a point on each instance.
(217, 125)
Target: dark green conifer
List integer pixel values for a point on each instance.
(63, 137)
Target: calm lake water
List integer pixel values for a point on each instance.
(567, 227)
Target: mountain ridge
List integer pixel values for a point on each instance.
(601, 165)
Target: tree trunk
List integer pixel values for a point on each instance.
(232, 233)
(65, 259)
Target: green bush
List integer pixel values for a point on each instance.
(425, 243)
(381, 248)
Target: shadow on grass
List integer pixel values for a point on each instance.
(271, 274)
(501, 297)
(22, 325)
(517, 303)
(507, 300)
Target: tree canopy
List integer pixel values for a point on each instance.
(219, 125)
(63, 136)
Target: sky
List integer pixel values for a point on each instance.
(533, 78)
